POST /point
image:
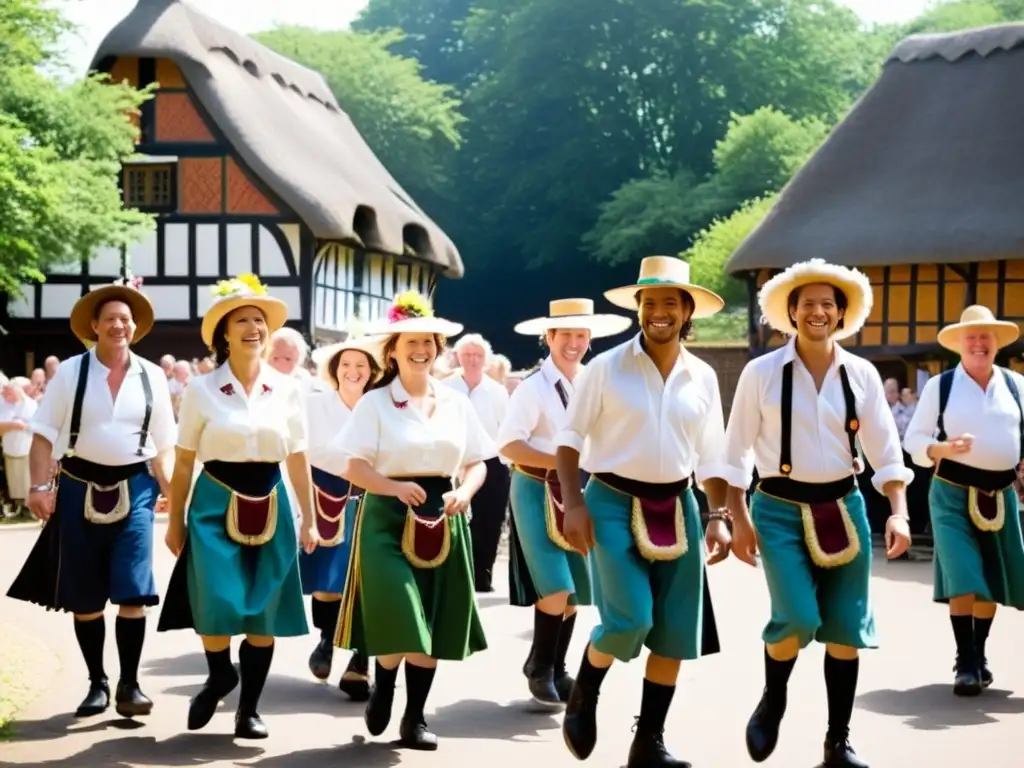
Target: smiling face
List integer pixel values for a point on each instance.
(246, 332)
(978, 349)
(663, 313)
(113, 325)
(472, 359)
(568, 345)
(284, 357)
(352, 370)
(414, 353)
(816, 310)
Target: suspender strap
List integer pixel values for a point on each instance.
(852, 423)
(76, 409)
(147, 389)
(1015, 391)
(945, 387)
(562, 395)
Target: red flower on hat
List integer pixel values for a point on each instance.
(228, 389)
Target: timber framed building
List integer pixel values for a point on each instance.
(250, 165)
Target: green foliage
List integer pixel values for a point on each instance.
(949, 17)
(727, 327)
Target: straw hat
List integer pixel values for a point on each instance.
(127, 291)
(412, 313)
(369, 345)
(667, 272)
(855, 285)
(574, 314)
(246, 290)
(977, 317)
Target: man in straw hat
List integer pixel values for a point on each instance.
(105, 414)
(652, 412)
(545, 572)
(801, 408)
(975, 441)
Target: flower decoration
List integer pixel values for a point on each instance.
(228, 389)
(408, 305)
(245, 284)
(400, 403)
(266, 389)
(130, 281)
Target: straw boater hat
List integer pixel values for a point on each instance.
(855, 285)
(127, 291)
(574, 314)
(977, 317)
(412, 313)
(369, 345)
(667, 272)
(246, 290)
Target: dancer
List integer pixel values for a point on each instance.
(801, 409)
(348, 368)
(237, 571)
(544, 571)
(409, 592)
(653, 414)
(105, 414)
(969, 425)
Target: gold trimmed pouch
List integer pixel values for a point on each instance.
(330, 517)
(252, 520)
(106, 504)
(987, 509)
(554, 513)
(426, 541)
(829, 533)
(659, 528)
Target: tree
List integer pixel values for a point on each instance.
(953, 16)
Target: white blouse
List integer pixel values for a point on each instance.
(535, 410)
(219, 423)
(399, 441)
(488, 398)
(327, 415)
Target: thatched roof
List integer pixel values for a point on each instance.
(928, 166)
(286, 125)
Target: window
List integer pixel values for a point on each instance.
(149, 187)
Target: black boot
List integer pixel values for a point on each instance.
(763, 726)
(648, 748)
(579, 728)
(220, 681)
(841, 686)
(967, 670)
(129, 700)
(91, 637)
(412, 731)
(355, 681)
(540, 668)
(382, 697)
(254, 663)
(325, 618)
(563, 681)
(981, 630)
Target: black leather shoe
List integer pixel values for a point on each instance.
(130, 701)
(204, 704)
(579, 728)
(763, 729)
(415, 735)
(378, 709)
(321, 658)
(563, 684)
(541, 681)
(986, 674)
(249, 725)
(839, 754)
(648, 751)
(96, 701)
(967, 678)
(355, 681)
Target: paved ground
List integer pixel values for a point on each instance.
(906, 714)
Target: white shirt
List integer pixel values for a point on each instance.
(991, 415)
(489, 399)
(327, 415)
(535, 411)
(403, 442)
(17, 442)
(820, 447)
(219, 423)
(645, 428)
(110, 430)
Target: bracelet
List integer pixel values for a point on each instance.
(41, 488)
(720, 514)
(900, 517)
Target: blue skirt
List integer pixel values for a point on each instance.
(325, 569)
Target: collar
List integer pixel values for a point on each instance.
(552, 375)
(134, 364)
(637, 348)
(839, 355)
(399, 395)
(224, 378)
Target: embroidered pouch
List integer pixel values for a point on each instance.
(106, 504)
(987, 509)
(251, 520)
(659, 528)
(829, 533)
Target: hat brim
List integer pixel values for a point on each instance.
(85, 308)
(1005, 332)
(705, 303)
(599, 326)
(275, 312)
(855, 285)
(436, 325)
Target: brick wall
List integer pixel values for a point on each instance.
(728, 361)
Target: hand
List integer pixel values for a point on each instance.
(953, 446)
(175, 536)
(579, 528)
(718, 541)
(455, 502)
(409, 494)
(309, 537)
(744, 540)
(19, 425)
(41, 504)
(162, 506)
(897, 536)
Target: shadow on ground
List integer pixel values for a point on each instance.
(935, 708)
(182, 750)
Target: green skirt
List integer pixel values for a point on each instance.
(391, 606)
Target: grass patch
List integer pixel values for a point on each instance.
(728, 327)
(23, 664)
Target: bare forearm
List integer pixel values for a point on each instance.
(473, 478)
(896, 492)
(525, 456)
(39, 460)
(567, 462)
(181, 484)
(716, 489)
(163, 469)
(736, 501)
(298, 474)
(362, 475)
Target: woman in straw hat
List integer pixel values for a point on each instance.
(409, 593)
(545, 572)
(237, 571)
(652, 413)
(348, 369)
(969, 425)
(800, 409)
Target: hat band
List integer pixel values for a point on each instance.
(569, 317)
(656, 281)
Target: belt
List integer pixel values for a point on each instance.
(807, 493)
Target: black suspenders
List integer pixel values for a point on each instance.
(76, 409)
(852, 424)
(946, 387)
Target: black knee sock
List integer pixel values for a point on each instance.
(564, 639)
(219, 663)
(546, 628)
(981, 630)
(841, 685)
(254, 662)
(963, 633)
(776, 678)
(325, 617)
(654, 707)
(418, 681)
(384, 678)
(130, 634)
(590, 677)
(91, 637)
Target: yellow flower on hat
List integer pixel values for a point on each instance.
(252, 282)
(246, 282)
(409, 304)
